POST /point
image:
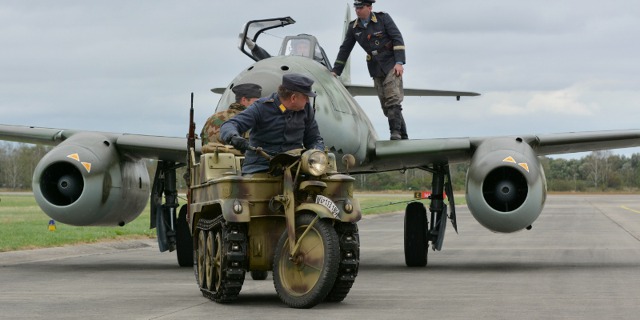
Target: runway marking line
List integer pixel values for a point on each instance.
(627, 208)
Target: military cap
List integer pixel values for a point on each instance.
(361, 3)
(299, 83)
(247, 90)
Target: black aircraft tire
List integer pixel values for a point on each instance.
(184, 245)
(259, 275)
(305, 280)
(415, 235)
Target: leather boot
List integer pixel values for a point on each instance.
(403, 126)
(395, 122)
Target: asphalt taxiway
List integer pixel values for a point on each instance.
(581, 260)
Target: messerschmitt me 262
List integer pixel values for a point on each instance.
(99, 178)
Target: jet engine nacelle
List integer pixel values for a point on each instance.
(85, 182)
(506, 187)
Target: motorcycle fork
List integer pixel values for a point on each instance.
(290, 213)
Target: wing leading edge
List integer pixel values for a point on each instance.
(135, 145)
(570, 142)
(403, 154)
(386, 155)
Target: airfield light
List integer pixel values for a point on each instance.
(52, 225)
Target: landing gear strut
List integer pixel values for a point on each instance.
(172, 230)
(417, 231)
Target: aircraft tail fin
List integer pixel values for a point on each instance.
(345, 77)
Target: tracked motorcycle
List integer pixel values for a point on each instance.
(298, 221)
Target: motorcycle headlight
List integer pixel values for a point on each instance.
(315, 162)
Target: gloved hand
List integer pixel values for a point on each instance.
(239, 143)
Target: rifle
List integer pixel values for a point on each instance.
(191, 153)
(191, 138)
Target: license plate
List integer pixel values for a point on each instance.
(327, 203)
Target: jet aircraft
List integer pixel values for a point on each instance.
(100, 178)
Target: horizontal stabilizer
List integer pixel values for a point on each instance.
(357, 90)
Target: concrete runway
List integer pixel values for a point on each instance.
(581, 260)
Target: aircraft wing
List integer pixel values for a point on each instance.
(136, 145)
(96, 178)
(358, 90)
(570, 142)
(390, 155)
(505, 182)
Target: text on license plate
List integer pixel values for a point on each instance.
(327, 203)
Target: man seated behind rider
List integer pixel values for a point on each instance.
(246, 94)
(280, 122)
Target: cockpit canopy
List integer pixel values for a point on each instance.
(304, 45)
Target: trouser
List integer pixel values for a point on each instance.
(391, 94)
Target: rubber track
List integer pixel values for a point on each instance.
(234, 237)
(349, 261)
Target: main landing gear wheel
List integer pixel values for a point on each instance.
(415, 235)
(184, 243)
(259, 275)
(305, 280)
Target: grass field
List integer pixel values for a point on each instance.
(24, 226)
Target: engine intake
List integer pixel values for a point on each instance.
(61, 184)
(506, 187)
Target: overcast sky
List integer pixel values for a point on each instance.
(129, 66)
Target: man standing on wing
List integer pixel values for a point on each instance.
(378, 35)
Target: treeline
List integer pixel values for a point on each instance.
(17, 162)
(598, 171)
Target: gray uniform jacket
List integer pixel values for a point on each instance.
(274, 130)
(382, 41)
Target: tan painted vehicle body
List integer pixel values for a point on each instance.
(238, 223)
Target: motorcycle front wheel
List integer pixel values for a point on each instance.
(304, 280)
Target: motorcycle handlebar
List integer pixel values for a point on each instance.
(261, 152)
